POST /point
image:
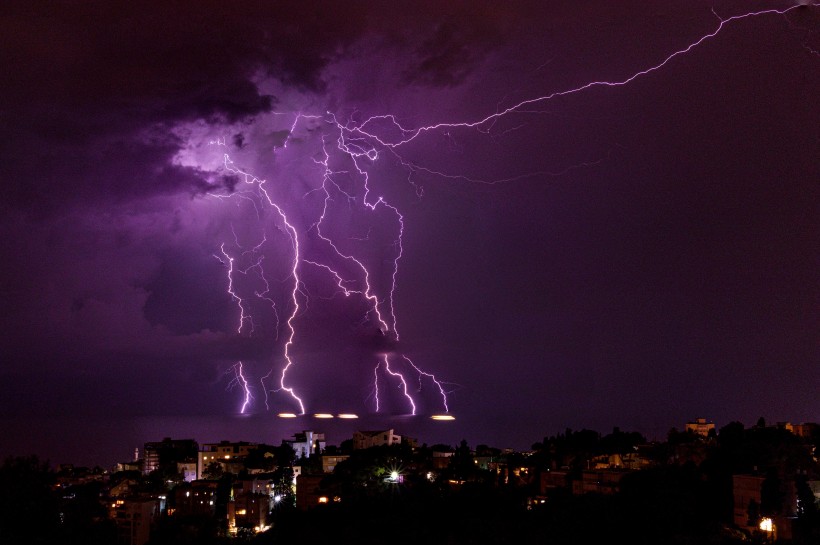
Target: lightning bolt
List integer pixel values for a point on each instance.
(294, 274)
(433, 378)
(240, 380)
(376, 384)
(361, 144)
(408, 134)
(367, 292)
(403, 383)
(243, 317)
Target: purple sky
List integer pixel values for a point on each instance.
(635, 255)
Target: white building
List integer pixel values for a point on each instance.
(307, 443)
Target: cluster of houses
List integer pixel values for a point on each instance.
(193, 486)
(261, 479)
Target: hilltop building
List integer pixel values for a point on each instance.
(701, 427)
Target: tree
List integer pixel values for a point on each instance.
(806, 502)
(29, 511)
(620, 442)
(771, 494)
(807, 526)
(213, 471)
(731, 435)
(462, 464)
(753, 513)
(675, 437)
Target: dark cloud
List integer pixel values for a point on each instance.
(457, 43)
(47, 177)
(90, 80)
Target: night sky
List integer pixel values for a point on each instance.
(584, 228)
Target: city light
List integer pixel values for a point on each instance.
(443, 417)
(287, 415)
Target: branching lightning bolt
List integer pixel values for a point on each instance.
(433, 378)
(408, 135)
(243, 317)
(260, 185)
(361, 144)
(403, 383)
(240, 380)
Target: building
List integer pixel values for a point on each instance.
(329, 461)
(553, 480)
(807, 430)
(222, 452)
(196, 498)
(627, 460)
(599, 481)
(166, 453)
(254, 485)
(134, 517)
(310, 493)
(746, 495)
(368, 439)
(248, 509)
(747, 492)
(131, 465)
(700, 427)
(187, 470)
(441, 459)
(306, 443)
(122, 488)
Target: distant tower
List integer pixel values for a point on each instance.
(136, 454)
